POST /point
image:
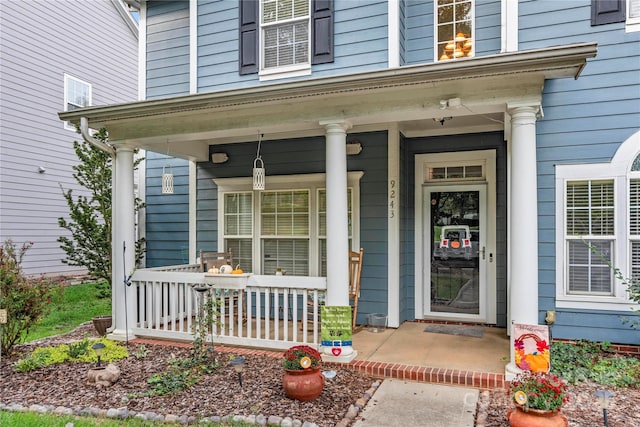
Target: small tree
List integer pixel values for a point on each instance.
(90, 216)
(26, 300)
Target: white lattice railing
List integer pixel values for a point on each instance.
(267, 312)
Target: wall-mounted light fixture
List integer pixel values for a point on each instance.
(219, 158)
(354, 148)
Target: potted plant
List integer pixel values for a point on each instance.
(538, 396)
(302, 379)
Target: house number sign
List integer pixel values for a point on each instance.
(392, 198)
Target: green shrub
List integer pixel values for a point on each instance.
(79, 351)
(589, 361)
(26, 300)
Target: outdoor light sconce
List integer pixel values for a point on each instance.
(218, 158)
(238, 366)
(604, 397)
(354, 148)
(98, 348)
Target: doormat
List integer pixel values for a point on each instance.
(460, 330)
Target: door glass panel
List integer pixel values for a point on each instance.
(455, 237)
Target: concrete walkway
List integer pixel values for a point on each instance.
(407, 404)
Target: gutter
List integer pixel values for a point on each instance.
(84, 131)
(552, 62)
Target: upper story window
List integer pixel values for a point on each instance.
(77, 94)
(598, 230)
(454, 29)
(285, 33)
(283, 38)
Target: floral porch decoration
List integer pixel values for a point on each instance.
(302, 379)
(301, 357)
(539, 397)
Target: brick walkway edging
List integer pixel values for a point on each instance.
(444, 376)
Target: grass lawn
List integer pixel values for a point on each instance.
(33, 419)
(79, 304)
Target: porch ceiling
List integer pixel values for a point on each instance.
(408, 95)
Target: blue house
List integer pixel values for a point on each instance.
(477, 150)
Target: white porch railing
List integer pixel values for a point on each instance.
(270, 312)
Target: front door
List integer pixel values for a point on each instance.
(454, 243)
(457, 235)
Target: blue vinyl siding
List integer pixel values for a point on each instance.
(453, 143)
(402, 30)
(166, 215)
(488, 30)
(167, 49)
(585, 121)
(419, 43)
(360, 40)
(419, 32)
(310, 158)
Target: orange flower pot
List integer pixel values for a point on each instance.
(518, 417)
(304, 385)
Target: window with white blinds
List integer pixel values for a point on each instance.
(284, 226)
(284, 231)
(634, 222)
(285, 33)
(590, 236)
(598, 230)
(633, 16)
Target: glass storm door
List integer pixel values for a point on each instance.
(455, 283)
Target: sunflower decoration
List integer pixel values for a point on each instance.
(520, 397)
(305, 362)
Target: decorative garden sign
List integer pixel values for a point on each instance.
(335, 324)
(531, 344)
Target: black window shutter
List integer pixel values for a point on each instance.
(607, 11)
(322, 31)
(249, 48)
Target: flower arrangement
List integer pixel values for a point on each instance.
(300, 357)
(539, 390)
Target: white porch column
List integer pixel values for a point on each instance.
(337, 219)
(523, 238)
(123, 233)
(337, 214)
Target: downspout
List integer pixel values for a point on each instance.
(84, 131)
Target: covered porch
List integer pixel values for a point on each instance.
(493, 93)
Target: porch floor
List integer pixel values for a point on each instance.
(409, 353)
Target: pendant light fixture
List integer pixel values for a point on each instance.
(167, 176)
(258, 169)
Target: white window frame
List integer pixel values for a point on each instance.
(311, 182)
(293, 70)
(632, 24)
(617, 170)
(67, 79)
(436, 41)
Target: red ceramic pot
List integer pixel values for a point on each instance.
(304, 385)
(535, 418)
